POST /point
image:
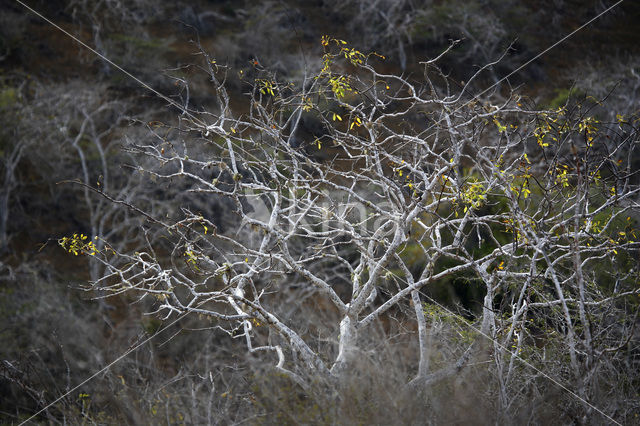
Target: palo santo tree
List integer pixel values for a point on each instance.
(354, 192)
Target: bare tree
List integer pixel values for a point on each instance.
(404, 186)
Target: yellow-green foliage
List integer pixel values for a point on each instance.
(8, 97)
(78, 244)
(460, 324)
(562, 97)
